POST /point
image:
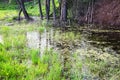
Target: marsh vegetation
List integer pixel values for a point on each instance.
(37, 50)
(66, 54)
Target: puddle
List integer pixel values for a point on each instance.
(41, 41)
(44, 41)
(33, 40)
(9, 24)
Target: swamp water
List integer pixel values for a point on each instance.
(83, 56)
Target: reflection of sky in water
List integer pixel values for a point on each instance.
(43, 42)
(1, 39)
(35, 40)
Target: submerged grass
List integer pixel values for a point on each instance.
(95, 65)
(88, 62)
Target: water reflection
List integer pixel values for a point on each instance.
(33, 40)
(1, 39)
(36, 40)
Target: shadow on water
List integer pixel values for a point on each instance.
(105, 39)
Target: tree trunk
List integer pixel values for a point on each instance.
(54, 10)
(47, 4)
(19, 14)
(22, 6)
(74, 9)
(63, 16)
(60, 6)
(40, 9)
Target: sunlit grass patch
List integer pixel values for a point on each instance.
(9, 69)
(8, 14)
(12, 70)
(17, 42)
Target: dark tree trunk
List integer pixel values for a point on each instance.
(19, 14)
(74, 9)
(78, 7)
(63, 16)
(47, 4)
(40, 9)
(22, 6)
(60, 6)
(54, 10)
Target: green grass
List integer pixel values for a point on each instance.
(8, 15)
(35, 56)
(14, 55)
(41, 29)
(55, 68)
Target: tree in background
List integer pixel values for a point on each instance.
(54, 10)
(40, 9)
(47, 5)
(63, 16)
(22, 8)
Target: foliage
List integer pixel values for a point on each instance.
(35, 56)
(20, 63)
(10, 11)
(41, 29)
(54, 63)
(9, 69)
(95, 65)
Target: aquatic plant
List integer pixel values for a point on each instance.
(14, 41)
(9, 69)
(41, 29)
(55, 68)
(4, 30)
(98, 65)
(35, 57)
